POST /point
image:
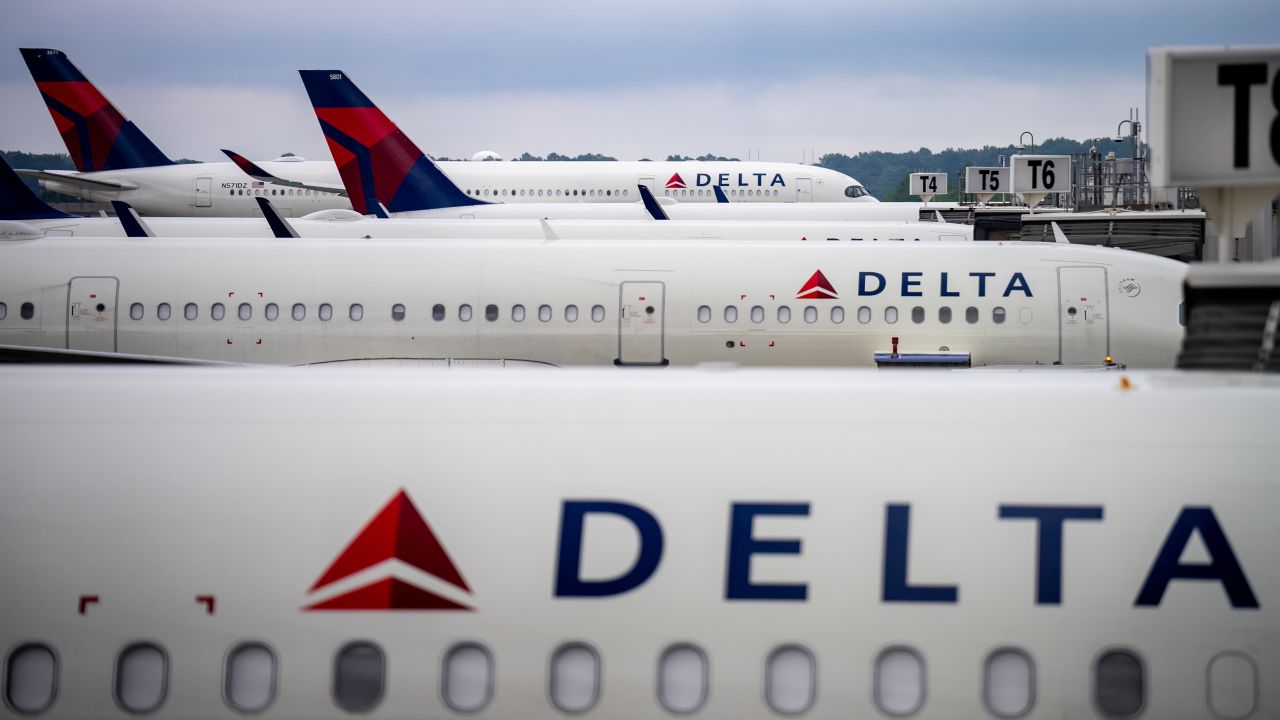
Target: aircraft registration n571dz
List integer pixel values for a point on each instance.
(572, 302)
(116, 161)
(210, 543)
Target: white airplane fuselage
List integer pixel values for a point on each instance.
(210, 543)
(223, 190)
(571, 302)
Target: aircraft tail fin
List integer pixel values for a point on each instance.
(720, 196)
(377, 161)
(18, 202)
(97, 136)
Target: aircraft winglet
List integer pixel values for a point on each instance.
(651, 204)
(279, 226)
(720, 196)
(256, 172)
(1058, 235)
(133, 225)
(17, 202)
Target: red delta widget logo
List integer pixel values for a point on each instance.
(920, 284)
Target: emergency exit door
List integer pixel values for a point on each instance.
(804, 189)
(91, 313)
(1084, 320)
(204, 192)
(641, 308)
(648, 182)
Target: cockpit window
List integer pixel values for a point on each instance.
(855, 191)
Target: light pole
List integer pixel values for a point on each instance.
(1021, 147)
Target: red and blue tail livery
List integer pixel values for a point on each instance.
(377, 161)
(97, 136)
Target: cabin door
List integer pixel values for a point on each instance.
(91, 313)
(641, 324)
(204, 192)
(648, 182)
(804, 189)
(1084, 318)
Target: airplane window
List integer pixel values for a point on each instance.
(571, 313)
(464, 313)
(359, 671)
(218, 311)
(142, 678)
(864, 314)
(557, 193)
(271, 312)
(31, 678)
(971, 315)
(1233, 685)
(575, 677)
(1119, 688)
(784, 314)
(437, 312)
(997, 315)
(682, 678)
(504, 192)
(539, 193)
(356, 312)
(517, 313)
(704, 313)
(490, 312)
(810, 314)
(397, 312)
(245, 311)
(855, 191)
(135, 311)
(837, 314)
(731, 313)
(597, 313)
(326, 312)
(467, 685)
(190, 311)
(544, 313)
(608, 193)
(944, 315)
(299, 311)
(27, 311)
(898, 687)
(250, 678)
(757, 314)
(891, 314)
(790, 679)
(917, 314)
(521, 193)
(4, 311)
(624, 192)
(575, 193)
(1024, 315)
(593, 193)
(1009, 683)
(163, 311)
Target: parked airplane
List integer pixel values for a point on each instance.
(22, 213)
(116, 161)
(570, 302)
(216, 543)
(381, 166)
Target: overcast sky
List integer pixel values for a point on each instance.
(776, 78)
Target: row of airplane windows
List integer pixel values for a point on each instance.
(547, 193)
(273, 191)
(810, 314)
(682, 682)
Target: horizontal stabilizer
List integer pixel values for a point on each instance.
(17, 202)
(80, 181)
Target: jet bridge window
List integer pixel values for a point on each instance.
(682, 678)
(245, 312)
(359, 673)
(467, 682)
(326, 312)
(571, 313)
(437, 312)
(917, 314)
(790, 679)
(517, 313)
(31, 678)
(397, 312)
(163, 311)
(944, 314)
(1119, 685)
(299, 311)
(135, 311)
(190, 311)
(218, 311)
(250, 677)
(464, 312)
(27, 311)
(142, 678)
(898, 688)
(271, 312)
(597, 313)
(575, 677)
(704, 313)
